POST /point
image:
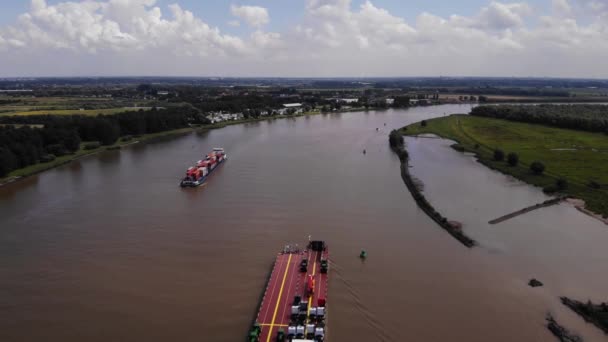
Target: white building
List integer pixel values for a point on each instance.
(390, 101)
(348, 100)
(219, 117)
(296, 107)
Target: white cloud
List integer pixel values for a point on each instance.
(561, 7)
(333, 38)
(119, 25)
(255, 16)
(234, 23)
(500, 16)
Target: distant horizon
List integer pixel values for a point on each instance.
(306, 78)
(304, 38)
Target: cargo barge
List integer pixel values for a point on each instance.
(294, 305)
(197, 175)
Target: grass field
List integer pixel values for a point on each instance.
(579, 157)
(106, 111)
(29, 105)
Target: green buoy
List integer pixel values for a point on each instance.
(363, 254)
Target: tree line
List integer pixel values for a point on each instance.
(585, 117)
(27, 140)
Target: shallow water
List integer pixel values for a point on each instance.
(558, 245)
(109, 248)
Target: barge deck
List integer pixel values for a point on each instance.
(294, 303)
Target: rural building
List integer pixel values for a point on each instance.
(348, 100)
(295, 107)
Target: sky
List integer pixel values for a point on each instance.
(304, 38)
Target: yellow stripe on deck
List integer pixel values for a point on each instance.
(276, 308)
(314, 269)
(274, 325)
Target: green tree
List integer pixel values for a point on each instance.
(499, 155)
(395, 139)
(108, 132)
(537, 167)
(512, 159)
(8, 161)
(72, 141)
(561, 183)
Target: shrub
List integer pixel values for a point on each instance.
(594, 185)
(499, 155)
(512, 159)
(476, 146)
(92, 145)
(126, 138)
(395, 139)
(561, 184)
(57, 149)
(47, 158)
(458, 147)
(550, 189)
(423, 123)
(537, 167)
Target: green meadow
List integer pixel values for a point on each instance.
(581, 158)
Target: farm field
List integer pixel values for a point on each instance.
(105, 111)
(28, 105)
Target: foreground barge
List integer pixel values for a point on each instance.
(294, 305)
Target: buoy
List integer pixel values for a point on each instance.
(364, 152)
(376, 128)
(363, 254)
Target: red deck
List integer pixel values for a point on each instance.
(286, 282)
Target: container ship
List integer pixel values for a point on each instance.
(294, 305)
(197, 175)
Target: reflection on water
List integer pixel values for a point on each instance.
(120, 252)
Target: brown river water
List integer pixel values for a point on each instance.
(109, 248)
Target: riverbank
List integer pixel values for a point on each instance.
(41, 167)
(452, 227)
(562, 334)
(83, 152)
(579, 158)
(596, 314)
(525, 210)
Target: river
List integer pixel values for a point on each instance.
(558, 245)
(109, 248)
